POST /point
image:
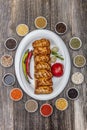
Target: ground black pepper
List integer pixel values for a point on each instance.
(60, 28)
(10, 44)
(72, 93)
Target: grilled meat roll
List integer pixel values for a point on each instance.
(43, 73)
(42, 66)
(43, 81)
(41, 43)
(42, 51)
(42, 58)
(43, 90)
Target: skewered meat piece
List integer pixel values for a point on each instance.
(41, 50)
(42, 65)
(43, 73)
(41, 43)
(43, 90)
(43, 81)
(42, 58)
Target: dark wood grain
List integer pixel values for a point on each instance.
(13, 115)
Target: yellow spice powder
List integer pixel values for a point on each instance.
(40, 22)
(22, 29)
(61, 104)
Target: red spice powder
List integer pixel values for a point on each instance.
(16, 94)
(46, 109)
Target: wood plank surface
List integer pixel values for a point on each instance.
(13, 115)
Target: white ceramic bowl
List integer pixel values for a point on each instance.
(58, 83)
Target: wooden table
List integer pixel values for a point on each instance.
(13, 115)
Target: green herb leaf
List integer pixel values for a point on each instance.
(57, 55)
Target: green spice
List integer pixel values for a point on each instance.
(75, 43)
(79, 61)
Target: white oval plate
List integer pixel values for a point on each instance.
(58, 83)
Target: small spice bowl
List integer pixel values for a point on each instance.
(31, 106)
(8, 79)
(22, 29)
(46, 110)
(60, 28)
(40, 22)
(16, 94)
(10, 44)
(72, 93)
(61, 104)
(79, 61)
(6, 60)
(77, 78)
(75, 43)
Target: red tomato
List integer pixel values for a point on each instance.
(57, 69)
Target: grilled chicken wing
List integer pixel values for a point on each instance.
(41, 43)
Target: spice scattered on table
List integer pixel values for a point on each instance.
(60, 28)
(79, 61)
(61, 104)
(16, 94)
(6, 60)
(22, 29)
(40, 22)
(11, 43)
(46, 110)
(77, 78)
(72, 93)
(8, 79)
(75, 43)
(31, 105)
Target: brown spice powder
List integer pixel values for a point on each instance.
(31, 106)
(6, 60)
(40, 22)
(61, 28)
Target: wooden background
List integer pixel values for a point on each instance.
(74, 13)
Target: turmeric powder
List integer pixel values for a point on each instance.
(61, 104)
